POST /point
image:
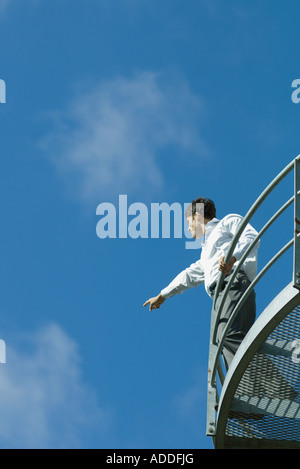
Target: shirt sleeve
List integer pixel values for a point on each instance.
(247, 237)
(188, 278)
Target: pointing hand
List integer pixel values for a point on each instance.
(155, 302)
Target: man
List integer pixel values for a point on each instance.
(217, 235)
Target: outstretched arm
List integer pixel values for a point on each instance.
(188, 278)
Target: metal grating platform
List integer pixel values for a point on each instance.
(266, 404)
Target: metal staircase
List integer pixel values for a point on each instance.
(256, 403)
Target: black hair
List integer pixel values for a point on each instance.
(209, 208)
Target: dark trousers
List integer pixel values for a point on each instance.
(244, 319)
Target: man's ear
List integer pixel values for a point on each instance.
(198, 217)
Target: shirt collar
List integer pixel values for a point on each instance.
(209, 228)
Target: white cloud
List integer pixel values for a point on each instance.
(44, 402)
(113, 139)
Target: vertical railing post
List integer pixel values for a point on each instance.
(296, 267)
(211, 384)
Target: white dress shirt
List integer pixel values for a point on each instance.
(217, 239)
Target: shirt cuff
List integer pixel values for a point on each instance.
(166, 293)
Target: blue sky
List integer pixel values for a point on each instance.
(162, 101)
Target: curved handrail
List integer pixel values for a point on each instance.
(244, 256)
(241, 302)
(248, 217)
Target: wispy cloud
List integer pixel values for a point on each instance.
(44, 402)
(113, 139)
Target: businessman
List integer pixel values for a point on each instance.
(217, 236)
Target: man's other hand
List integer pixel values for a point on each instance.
(155, 302)
(226, 268)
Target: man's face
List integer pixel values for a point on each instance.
(196, 225)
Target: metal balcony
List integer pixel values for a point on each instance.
(256, 403)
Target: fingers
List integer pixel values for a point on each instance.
(223, 267)
(226, 267)
(153, 304)
(150, 301)
(147, 303)
(222, 264)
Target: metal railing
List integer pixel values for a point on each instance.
(215, 369)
